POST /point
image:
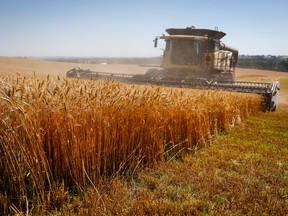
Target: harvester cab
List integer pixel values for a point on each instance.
(193, 52)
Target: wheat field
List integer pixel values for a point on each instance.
(82, 132)
(59, 134)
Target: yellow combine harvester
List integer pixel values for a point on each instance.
(194, 58)
(197, 53)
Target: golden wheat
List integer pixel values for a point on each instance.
(80, 132)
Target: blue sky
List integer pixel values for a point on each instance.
(126, 28)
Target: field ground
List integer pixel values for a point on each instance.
(29, 67)
(244, 172)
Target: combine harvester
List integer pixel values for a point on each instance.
(194, 58)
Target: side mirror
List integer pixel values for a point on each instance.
(155, 42)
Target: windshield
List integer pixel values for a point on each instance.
(185, 52)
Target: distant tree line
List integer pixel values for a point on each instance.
(276, 63)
